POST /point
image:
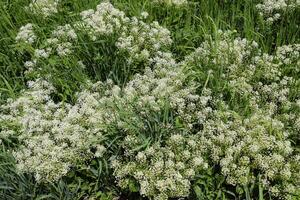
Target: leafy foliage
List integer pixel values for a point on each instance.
(164, 99)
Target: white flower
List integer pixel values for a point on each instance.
(26, 34)
(44, 7)
(198, 161)
(100, 150)
(144, 15)
(172, 2)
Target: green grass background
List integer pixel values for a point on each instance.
(189, 25)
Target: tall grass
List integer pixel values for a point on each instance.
(190, 25)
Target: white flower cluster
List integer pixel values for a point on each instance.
(249, 73)
(247, 70)
(138, 39)
(65, 32)
(150, 95)
(258, 144)
(105, 20)
(26, 34)
(44, 7)
(272, 9)
(142, 41)
(289, 55)
(161, 86)
(62, 39)
(163, 172)
(53, 136)
(172, 2)
(246, 148)
(60, 43)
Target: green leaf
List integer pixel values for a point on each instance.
(133, 186)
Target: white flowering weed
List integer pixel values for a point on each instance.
(272, 10)
(53, 136)
(172, 2)
(45, 8)
(150, 100)
(139, 40)
(26, 34)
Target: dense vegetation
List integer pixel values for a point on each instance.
(158, 99)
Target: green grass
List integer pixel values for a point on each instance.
(190, 25)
